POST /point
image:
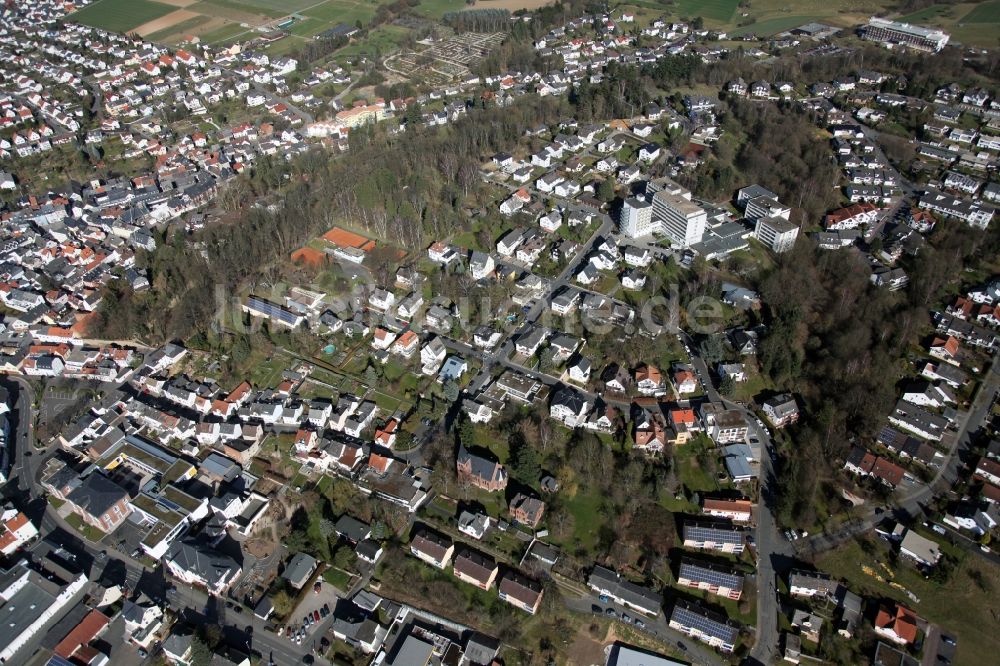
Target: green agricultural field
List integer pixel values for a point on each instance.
(438, 8)
(928, 14)
(775, 25)
(283, 6)
(120, 15)
(976, 24)
(262, 7)
(715, 10)
(987, 12)
(341, 11)
(179, 30)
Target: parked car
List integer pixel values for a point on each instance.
(610, 612)
(316, 615)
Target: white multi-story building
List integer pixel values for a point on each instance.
(635, 219)
(682, 220)
(914, 36)
(777, 233)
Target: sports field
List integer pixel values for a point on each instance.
(121, 15)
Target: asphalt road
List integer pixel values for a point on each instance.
(656, 627)
(910, 505)
(774, 553)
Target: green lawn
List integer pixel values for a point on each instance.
(267, 373)
(586, 510)
(382, 40)
(282, 7)
(120, 15)
(89, 532)
(338, 578)
(692, 474)
(716, 10)
(963, 606)
(986, 12)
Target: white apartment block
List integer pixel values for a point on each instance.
(635, 219)
(683, 221)
(776, 233)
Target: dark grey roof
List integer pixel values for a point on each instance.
(96, 494)
(299, 568)
(351, 528)
(209, 565)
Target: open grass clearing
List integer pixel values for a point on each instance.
(964, 606)
(716, 10)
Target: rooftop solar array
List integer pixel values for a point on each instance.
(696, 617)
(272, 310)
(705, 573)
(718, 532)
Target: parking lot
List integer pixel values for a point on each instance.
(310, 604)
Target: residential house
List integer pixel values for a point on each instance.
(920, 549)
(569, 407)
(480, 472)
(737, 510)
(527, 510)
(649, 380)
(809, 584)
(197, 564)
(474, 568)
(685, 382)
(781, 410)
(712, 578)
(721, 536)
(474, 525)
(698, 622)
(520, 591)
(808, 624)
(432, 548)
(896, 623)
(622, 591)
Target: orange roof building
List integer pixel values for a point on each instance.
(379, 464)
(898, 624)
(75, 647)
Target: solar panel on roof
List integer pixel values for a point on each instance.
(712, 576)
(706, 625)
(713, 533)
